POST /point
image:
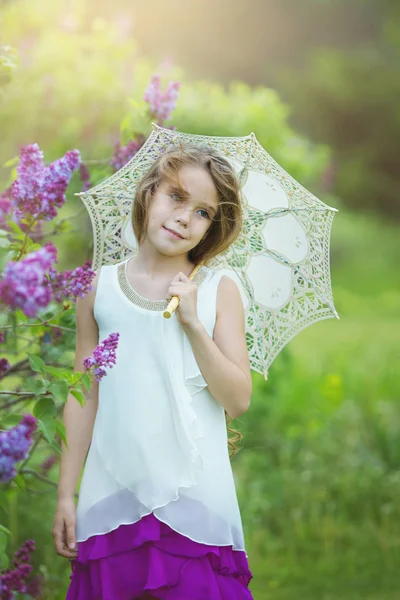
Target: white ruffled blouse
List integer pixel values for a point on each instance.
(159, 440)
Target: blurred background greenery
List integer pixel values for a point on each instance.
(318, 475)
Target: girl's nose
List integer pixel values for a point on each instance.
(184, 215)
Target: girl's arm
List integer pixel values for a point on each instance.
(79, 420)
(224, 360)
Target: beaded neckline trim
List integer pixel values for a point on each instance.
(135, 298)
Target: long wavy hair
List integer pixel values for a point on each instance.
(226, 225)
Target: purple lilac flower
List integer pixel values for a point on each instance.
(46, 465)
(2, 337)
(23, 283)
(34, 586)
(104, 355)
(71, 284)
(30, 174)
(15, 579)
(161, 105)
(39, 189)
(4, 366)
(6, 206)
(85, 177)
(14, 446)
(122, 154)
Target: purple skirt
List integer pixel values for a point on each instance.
(150, 557)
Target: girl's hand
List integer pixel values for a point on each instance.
(64, 528)
(186, 289)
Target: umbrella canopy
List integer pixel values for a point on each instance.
(280, 261)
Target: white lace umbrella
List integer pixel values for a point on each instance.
(280, 260)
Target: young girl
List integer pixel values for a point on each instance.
(158, 515)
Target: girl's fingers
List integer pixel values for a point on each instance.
(71, 539)
(59, 543)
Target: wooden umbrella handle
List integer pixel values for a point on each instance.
(173, 303)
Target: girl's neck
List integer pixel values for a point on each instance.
(156, 269)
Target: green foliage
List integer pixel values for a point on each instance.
(350, 101)
(8, 64)
(318, 476)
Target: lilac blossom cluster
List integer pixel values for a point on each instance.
(161, 104)
(39, 189)
(15, 579)
(71, 284)
(31, 283)
(14, 446)
(122, 154)
(23, 284)
(104, 355)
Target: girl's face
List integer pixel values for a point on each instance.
(189, 214)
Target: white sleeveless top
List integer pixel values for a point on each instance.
(159, 442)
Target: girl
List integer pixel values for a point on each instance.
(158, 515)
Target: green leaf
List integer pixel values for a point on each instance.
(4, 531)
(16, 230)
(37, 363)
(47, 426)
(77, 393)
(45, 406)
(19, 480)
(11, 162)
(58, 372)
(4, 562)
(39, 386)
(61, 431)
(21, 316)
(56, 447)
(60, 390)
(10, 420)
(87, 381)
(64, 226)
(32, 246)
(75, 377)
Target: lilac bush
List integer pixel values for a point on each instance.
(38, 318)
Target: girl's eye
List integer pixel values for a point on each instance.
(177, 196)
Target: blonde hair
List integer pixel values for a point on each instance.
(226, 225)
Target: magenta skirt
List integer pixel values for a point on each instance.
(150, 557)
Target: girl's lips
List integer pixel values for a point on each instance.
(173, 235)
